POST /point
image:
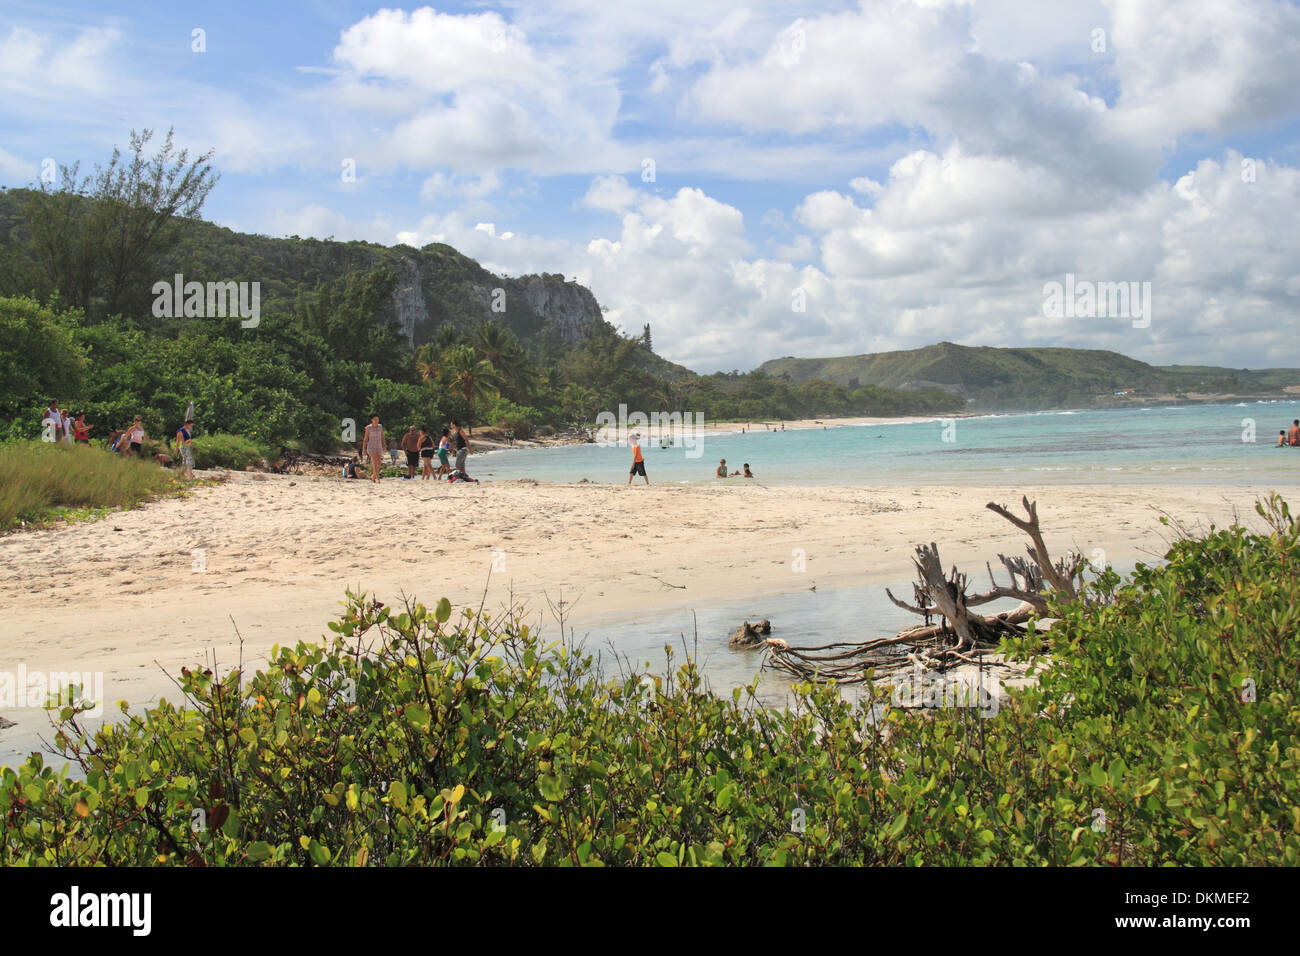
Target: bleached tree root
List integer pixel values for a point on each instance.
(961, 635)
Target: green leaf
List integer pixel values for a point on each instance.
(397, 794)
(550, 788)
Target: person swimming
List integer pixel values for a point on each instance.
(1281, 438)
(748, 473)
(722, 468)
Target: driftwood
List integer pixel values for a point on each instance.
(291, 457)
(750, 635)
(960, 635)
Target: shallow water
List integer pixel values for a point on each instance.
(1195, 444)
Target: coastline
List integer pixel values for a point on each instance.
(719, 428)
(122, 595)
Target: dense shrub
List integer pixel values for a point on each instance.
(227, 451)
(39, 360)
(416, 739)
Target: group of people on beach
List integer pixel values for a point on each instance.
(638, 463)
(1290, 437)
(420, 446)
(62, 426)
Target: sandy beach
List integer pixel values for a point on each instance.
(272, 556)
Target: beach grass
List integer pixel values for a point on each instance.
(43, 482)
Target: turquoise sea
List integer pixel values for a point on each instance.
(1188, 444)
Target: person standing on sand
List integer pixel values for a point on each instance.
(462, 445)
(411, 445)
(372, 442)
(638, 460)
(444, 452)
(185, 443)
(424, 442)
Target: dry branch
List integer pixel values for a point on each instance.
(961, 635)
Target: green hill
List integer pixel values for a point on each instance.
(1032, 378)
(432, 287)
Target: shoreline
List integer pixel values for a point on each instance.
(736, 427)
(125, 596)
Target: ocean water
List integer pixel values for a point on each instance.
(1190, 444)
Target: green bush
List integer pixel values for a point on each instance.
(415, 739)
(226, 451)
(43, 480)
(39, 360)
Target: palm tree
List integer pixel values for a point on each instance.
(498, 345)
(467, 376)
(447, 336)
(492, 341)
(426, 361)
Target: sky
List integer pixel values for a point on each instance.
(753, 180)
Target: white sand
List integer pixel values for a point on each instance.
(280, 551)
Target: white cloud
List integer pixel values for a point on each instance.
(917, 169)
(17, 170)
(1198, 65)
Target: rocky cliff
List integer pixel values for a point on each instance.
(437, 285)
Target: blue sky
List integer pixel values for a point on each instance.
(915, 170)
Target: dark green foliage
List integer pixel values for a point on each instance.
(416, 739)
(39, 361)
(101, 239)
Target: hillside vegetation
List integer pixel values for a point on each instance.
(346, 329)
(1029, 378)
